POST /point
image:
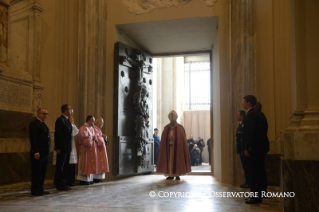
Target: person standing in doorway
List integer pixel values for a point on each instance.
(190, 143)
(200, 144)
(157, 143)
(173, 159)
(209, 149)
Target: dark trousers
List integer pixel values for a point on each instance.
(258, 174)
(156, 155)
(244, 163)
(195, 161)
(38, 171)
(62, 168)
(71, 174)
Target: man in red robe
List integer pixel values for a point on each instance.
(102, 161)
(173, 159)
(87, 154)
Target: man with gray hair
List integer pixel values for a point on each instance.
(101, 157)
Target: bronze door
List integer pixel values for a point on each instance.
(133, 112)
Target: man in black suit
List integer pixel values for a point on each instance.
(40, 141)
(240, 147)
(200, 144)
(263, 130)
(190, 143)
(209, 149)
(63, 146)
(254, 149)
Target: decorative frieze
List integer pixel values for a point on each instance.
(145, 6)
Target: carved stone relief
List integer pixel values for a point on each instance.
(20, 88)
(37, 98)
(145, 6)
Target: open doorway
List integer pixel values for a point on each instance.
(171, 42)
(183, 83)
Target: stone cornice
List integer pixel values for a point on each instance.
(37, 7)
(22, 77)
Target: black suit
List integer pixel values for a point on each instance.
(200, 144)
(254, 131)
(240, 151)
(63, 142)
(209, 149)
(40, 141)
(190, 143)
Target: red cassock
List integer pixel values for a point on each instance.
(173, 158)
(102, 161)
(87, 156)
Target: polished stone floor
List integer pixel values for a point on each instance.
(140, 193)
(205, 167)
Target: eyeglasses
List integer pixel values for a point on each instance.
(46, 114)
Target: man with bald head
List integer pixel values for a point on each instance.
(173, 159)
(101, 157)
(40, 140)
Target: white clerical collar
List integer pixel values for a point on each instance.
(65, 116)
(40, 120)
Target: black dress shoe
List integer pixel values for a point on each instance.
(245, 186)
(253, 201)
(45, 192)
(169, 178)
(37, 193)
(84, 183)
(177, 178)
(97, 180)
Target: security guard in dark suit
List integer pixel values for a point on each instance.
(255, 148)
(40, 141)
(240, 147)
(63, 146)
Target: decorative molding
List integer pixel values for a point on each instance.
(37, 98)
(210, 3)
(145, 6)
(14, 2)
(37, 7)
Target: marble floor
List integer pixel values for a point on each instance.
(205, 167)
(139, 193)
